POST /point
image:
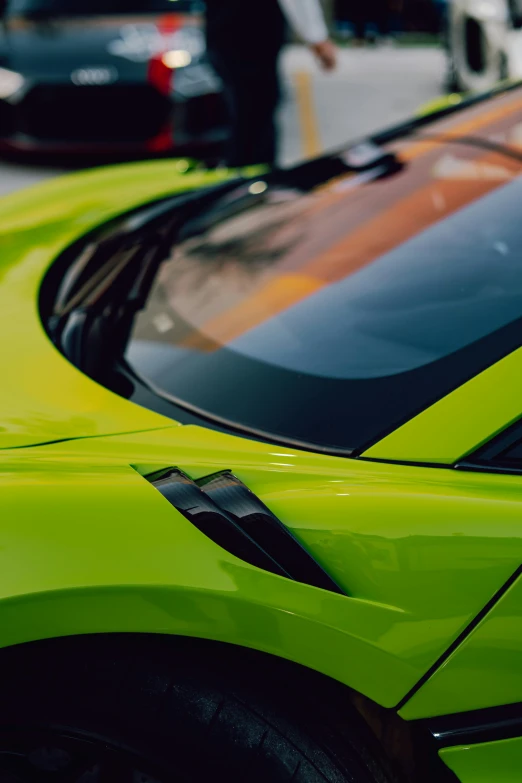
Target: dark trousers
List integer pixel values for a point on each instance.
(364, 12)
(252, 92)
(357, 13)
(380, 16)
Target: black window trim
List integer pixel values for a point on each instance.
(493, 457)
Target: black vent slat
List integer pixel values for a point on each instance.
(227, 512)
(213, 522)
(257, 521)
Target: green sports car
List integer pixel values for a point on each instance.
(261, 466)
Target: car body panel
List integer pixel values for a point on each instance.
(88, 546)
(38, 224)
(93, 547)
(490, 656)
(498, 762)
(460, 423)
(33, 236)
(42, 396)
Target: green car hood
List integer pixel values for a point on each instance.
(87, 545)
(42, 397)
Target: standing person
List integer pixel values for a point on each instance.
(342, 16)
(442, 10)
(359, 19)
(244, 40)
(397, 16)
(380, 16)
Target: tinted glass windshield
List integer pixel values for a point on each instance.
(87, 7)
(330, 316)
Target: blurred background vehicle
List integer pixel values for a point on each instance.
(375, 19)
(484, 40)
(163, 104)
(107, 75)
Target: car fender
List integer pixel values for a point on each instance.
(88, 545)
(99, 550)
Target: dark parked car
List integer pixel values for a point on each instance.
(104, 75)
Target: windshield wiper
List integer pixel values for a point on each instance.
(110, 281)
(94, 326)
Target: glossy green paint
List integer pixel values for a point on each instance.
(460, 423)
(42, 397)
(492, 762)
(37, 224)
(485, 671)
(87, 546)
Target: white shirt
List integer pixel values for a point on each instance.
(306, 18)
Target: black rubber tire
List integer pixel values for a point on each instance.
(188, 718)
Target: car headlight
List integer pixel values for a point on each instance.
(10, 82)
(189, 42)
(177, 58)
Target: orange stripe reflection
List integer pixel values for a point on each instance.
(276, 296)
(422, 147)
(405, 219)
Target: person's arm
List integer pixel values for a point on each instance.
(306, 18)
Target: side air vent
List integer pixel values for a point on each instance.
(228, 513)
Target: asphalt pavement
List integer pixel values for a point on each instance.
(372, 88)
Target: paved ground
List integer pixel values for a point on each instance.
(13, 176)
(371, 89)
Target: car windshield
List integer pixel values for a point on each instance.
(329, 315)
(89, 7)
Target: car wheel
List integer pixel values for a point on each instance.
(147, 714)
(477, 49)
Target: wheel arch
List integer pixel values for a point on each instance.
(305, 638)
(306, 690)
(406, 748)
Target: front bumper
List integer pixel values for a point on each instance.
(129, 118)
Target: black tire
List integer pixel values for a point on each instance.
(99, 711)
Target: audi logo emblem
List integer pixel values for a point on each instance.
(94, 76)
